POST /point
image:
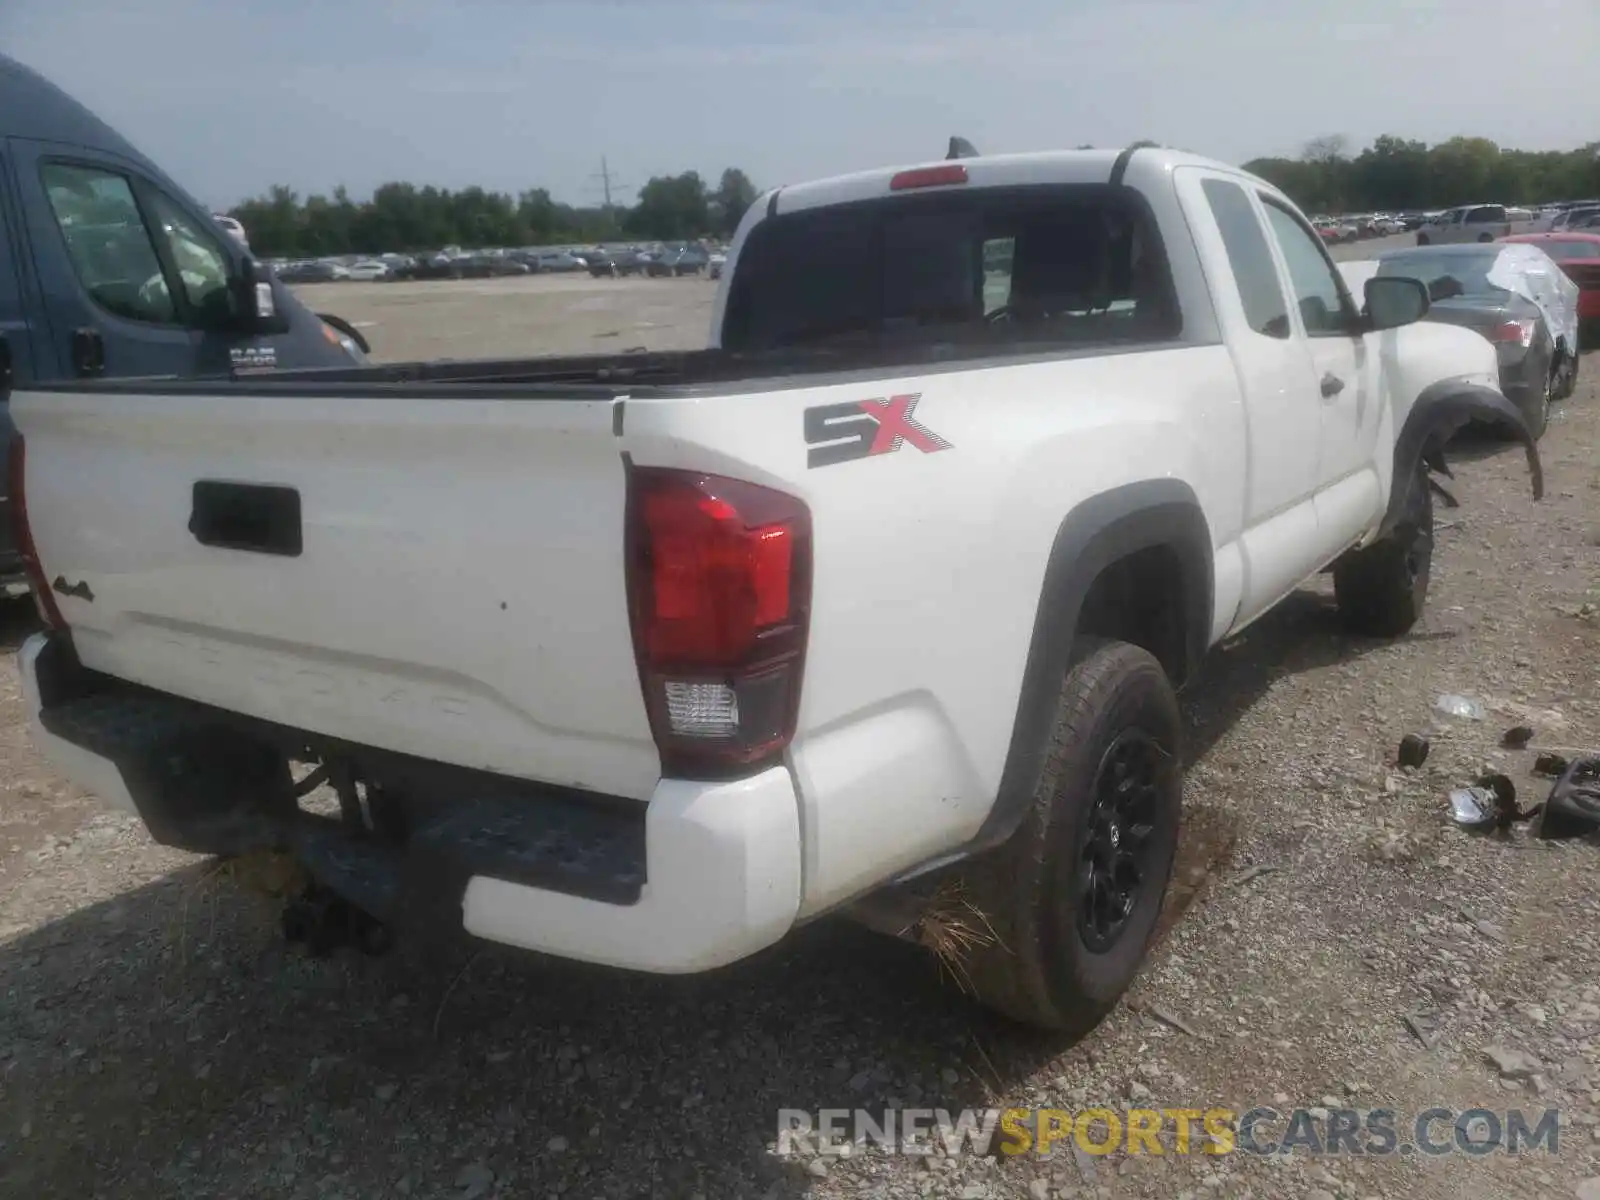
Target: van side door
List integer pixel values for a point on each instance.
(108, 285)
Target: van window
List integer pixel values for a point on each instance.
(108, 243)
(1492, 213)
(202, 263)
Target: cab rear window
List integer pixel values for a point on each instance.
(1059, 265)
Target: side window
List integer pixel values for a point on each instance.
(1249, 256)
(997, 256)
(1486, 213)
(108, 243)
(202, 262)
(1316, 285)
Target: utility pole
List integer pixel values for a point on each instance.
(608, 184)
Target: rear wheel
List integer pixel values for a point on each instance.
(1073, 898)
(1381, 589)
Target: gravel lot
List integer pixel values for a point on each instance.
(158, 1038)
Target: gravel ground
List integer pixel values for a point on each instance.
(158, 1038)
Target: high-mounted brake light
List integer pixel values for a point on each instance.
(719, 588)
(922, 177)
(1520, 332)
(44, 599)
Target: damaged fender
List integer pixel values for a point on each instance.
(1439, 411)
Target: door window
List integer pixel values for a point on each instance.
(1324, 308)
(1253, 269)
(108, 243)
(202, 263)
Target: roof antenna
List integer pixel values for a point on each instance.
(961, 148)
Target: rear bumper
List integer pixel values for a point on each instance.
(707, 873)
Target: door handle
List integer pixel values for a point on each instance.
(88, 351)
(1332, 385)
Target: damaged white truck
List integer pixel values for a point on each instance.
(646, 659)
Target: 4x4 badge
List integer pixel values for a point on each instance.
(839, 433)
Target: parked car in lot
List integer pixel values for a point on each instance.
(611, 264)
(232, 227)
(1517, 298)
(678, 261)
(560, 262)
(367, 270)
(312, 271)
(691, 697)
(1573, 217)
(1578, 254)
(1467, 223)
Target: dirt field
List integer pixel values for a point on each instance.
(158, 1038)
(531, 314)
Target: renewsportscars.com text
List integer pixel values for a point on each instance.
(1374, 1132)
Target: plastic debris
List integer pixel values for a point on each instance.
(1572, 809)
(1550, 765)
(1413, 750)
(1473, 807)
(1517, 737)
(1452, 705)
(1490, 803)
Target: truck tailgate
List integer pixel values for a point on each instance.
(458, 593)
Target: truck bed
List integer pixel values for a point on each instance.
(641, 373)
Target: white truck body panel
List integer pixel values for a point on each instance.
(429, 613)
(462, 592)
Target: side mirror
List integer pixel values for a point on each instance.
(255, 305)
(1393, 301)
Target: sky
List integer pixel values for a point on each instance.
(232, 96)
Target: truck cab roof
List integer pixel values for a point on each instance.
(993, 170)
(33, 107)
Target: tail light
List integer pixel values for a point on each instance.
(1518, 332)
(719, 587)
(22, 536)
(921, 177)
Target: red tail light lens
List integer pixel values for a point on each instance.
(22, 536)
(1520, 332)
(719, 585)
(923, 177)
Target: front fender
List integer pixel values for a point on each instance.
(1439, 411)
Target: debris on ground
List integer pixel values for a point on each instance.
(1413, 750)
(1551, 765)
(1517, 737)
(1465, 707)
(1424, 1027)
(1490, 803)
(1572, 809)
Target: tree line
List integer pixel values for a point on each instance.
(404, 217)
(1392, 174)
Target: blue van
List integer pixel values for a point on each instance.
(107, 267)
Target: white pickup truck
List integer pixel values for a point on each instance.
(646, 659)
